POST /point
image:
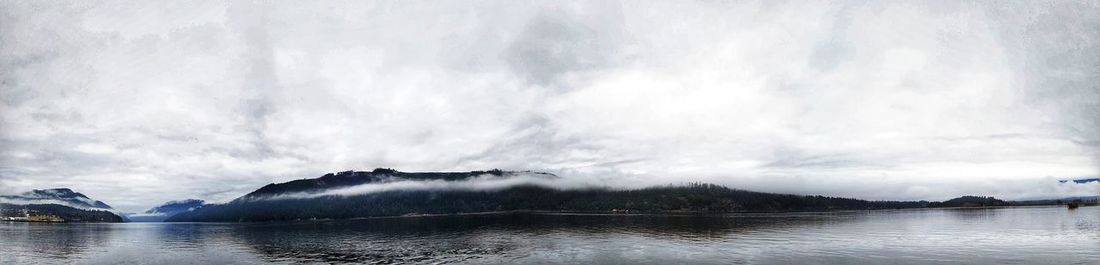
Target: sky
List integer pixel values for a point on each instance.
(138, 103)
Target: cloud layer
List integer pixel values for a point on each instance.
(158, 100)
(485, 182)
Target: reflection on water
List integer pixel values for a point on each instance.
(972, 236)
(51, 241)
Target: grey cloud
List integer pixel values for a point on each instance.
(142, 103)
(834, 50)
(1001, 136)
(553, 45)
(250, 21)
(812, 162)
(1059, 52)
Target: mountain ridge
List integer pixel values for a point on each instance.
(351, 178)
(64, 195)
(696, 198)
(56, 205)
(166, 210)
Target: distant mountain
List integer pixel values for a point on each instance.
(62, 196)
(56, 205)
(379, 175)
(166, 210)
(1080, 181)
(1079, 199)
(56, 213)
(312, 199)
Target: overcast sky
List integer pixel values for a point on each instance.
(143, 102)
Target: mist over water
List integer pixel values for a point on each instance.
(20, 201)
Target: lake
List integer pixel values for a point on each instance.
(1036, 235)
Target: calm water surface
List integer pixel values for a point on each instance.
(1049, 235)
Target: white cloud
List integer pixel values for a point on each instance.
(137, 104)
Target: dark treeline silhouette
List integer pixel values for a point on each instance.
(971, 201)
(692, 198)
(1086, 200)
(68, 214)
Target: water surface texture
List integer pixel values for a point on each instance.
(1048, 235)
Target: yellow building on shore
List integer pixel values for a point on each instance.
(44, 218)
(34, 218)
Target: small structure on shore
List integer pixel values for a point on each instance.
(45, 218)
(31, 216)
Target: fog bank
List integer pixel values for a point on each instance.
(486, 182)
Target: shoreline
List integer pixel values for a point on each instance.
(570, 213)
(677, 214)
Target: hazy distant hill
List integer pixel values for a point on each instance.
(971, 201)
(272, 203)
(1078, 199)
(166, 210)
(64, 203)
(62, 196)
